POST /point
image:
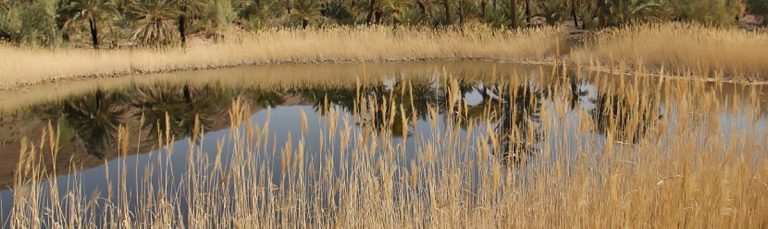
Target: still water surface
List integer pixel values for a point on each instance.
(89, 113)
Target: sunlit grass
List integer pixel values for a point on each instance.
(341, 44)
(703, 52)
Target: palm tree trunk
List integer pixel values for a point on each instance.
(379, 16)
(371, 9)
(483, 6)
(94, 33)
(188, 96)
(183, 27)
(288, 6)
(99, 96)
(574, 5)
(527, 11)
(601, 7)
(461, 12)
(422, 7)
(447, 7)
(513, 13)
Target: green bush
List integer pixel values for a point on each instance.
(758, 7)
(708, 12)
(30, 24)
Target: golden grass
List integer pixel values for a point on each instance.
(260, 75)
(689, 50)
(689, 171)
(361, 44)
(703, 51)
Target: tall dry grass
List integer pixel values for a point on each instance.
(342, 44)
(692, 169)
(680, 48)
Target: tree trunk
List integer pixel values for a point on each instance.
(183, 27)
(371, 9)
(379, 16)
(288, 6)
(304, 23)
(461, 12)
(188, 96)
(600, 13)
(513, 13)
(574, 5)
(447, 7)
(483, 6)
(422, 8)
(528, 11)
(94, 33)
(99, 96)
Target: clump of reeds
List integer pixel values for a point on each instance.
(511, 166)
(338, 44)
(683, 48)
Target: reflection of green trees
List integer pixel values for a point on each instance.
(628, 118)
(177, 108)
(513, 110)
(515, 115)
(96, 119)
(414, 97)
(339, 96)
(259, 97)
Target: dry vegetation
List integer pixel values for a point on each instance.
(363, 44)
(685, 49)
(692, 169)
(681, 48)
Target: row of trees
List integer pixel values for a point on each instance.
(165, 22)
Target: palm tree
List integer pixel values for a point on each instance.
(93, 12)
(395, 9)
(153, 20)
(306, 10)
(188, 9)
(552, 10)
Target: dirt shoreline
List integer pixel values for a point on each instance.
(138, 73)
(547, 61)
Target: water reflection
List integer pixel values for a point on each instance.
(95, 119)
(517, 125)
(513, 110)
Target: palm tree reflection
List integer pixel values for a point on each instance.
(178, 109)
(516, 117)
(96, 119)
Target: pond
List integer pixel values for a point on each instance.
(526, 115)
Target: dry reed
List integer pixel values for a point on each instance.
(692, 169)
(361, 44)
(681, 48)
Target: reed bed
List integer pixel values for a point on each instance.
(338, 44)
(681, 166)
(681, 48)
